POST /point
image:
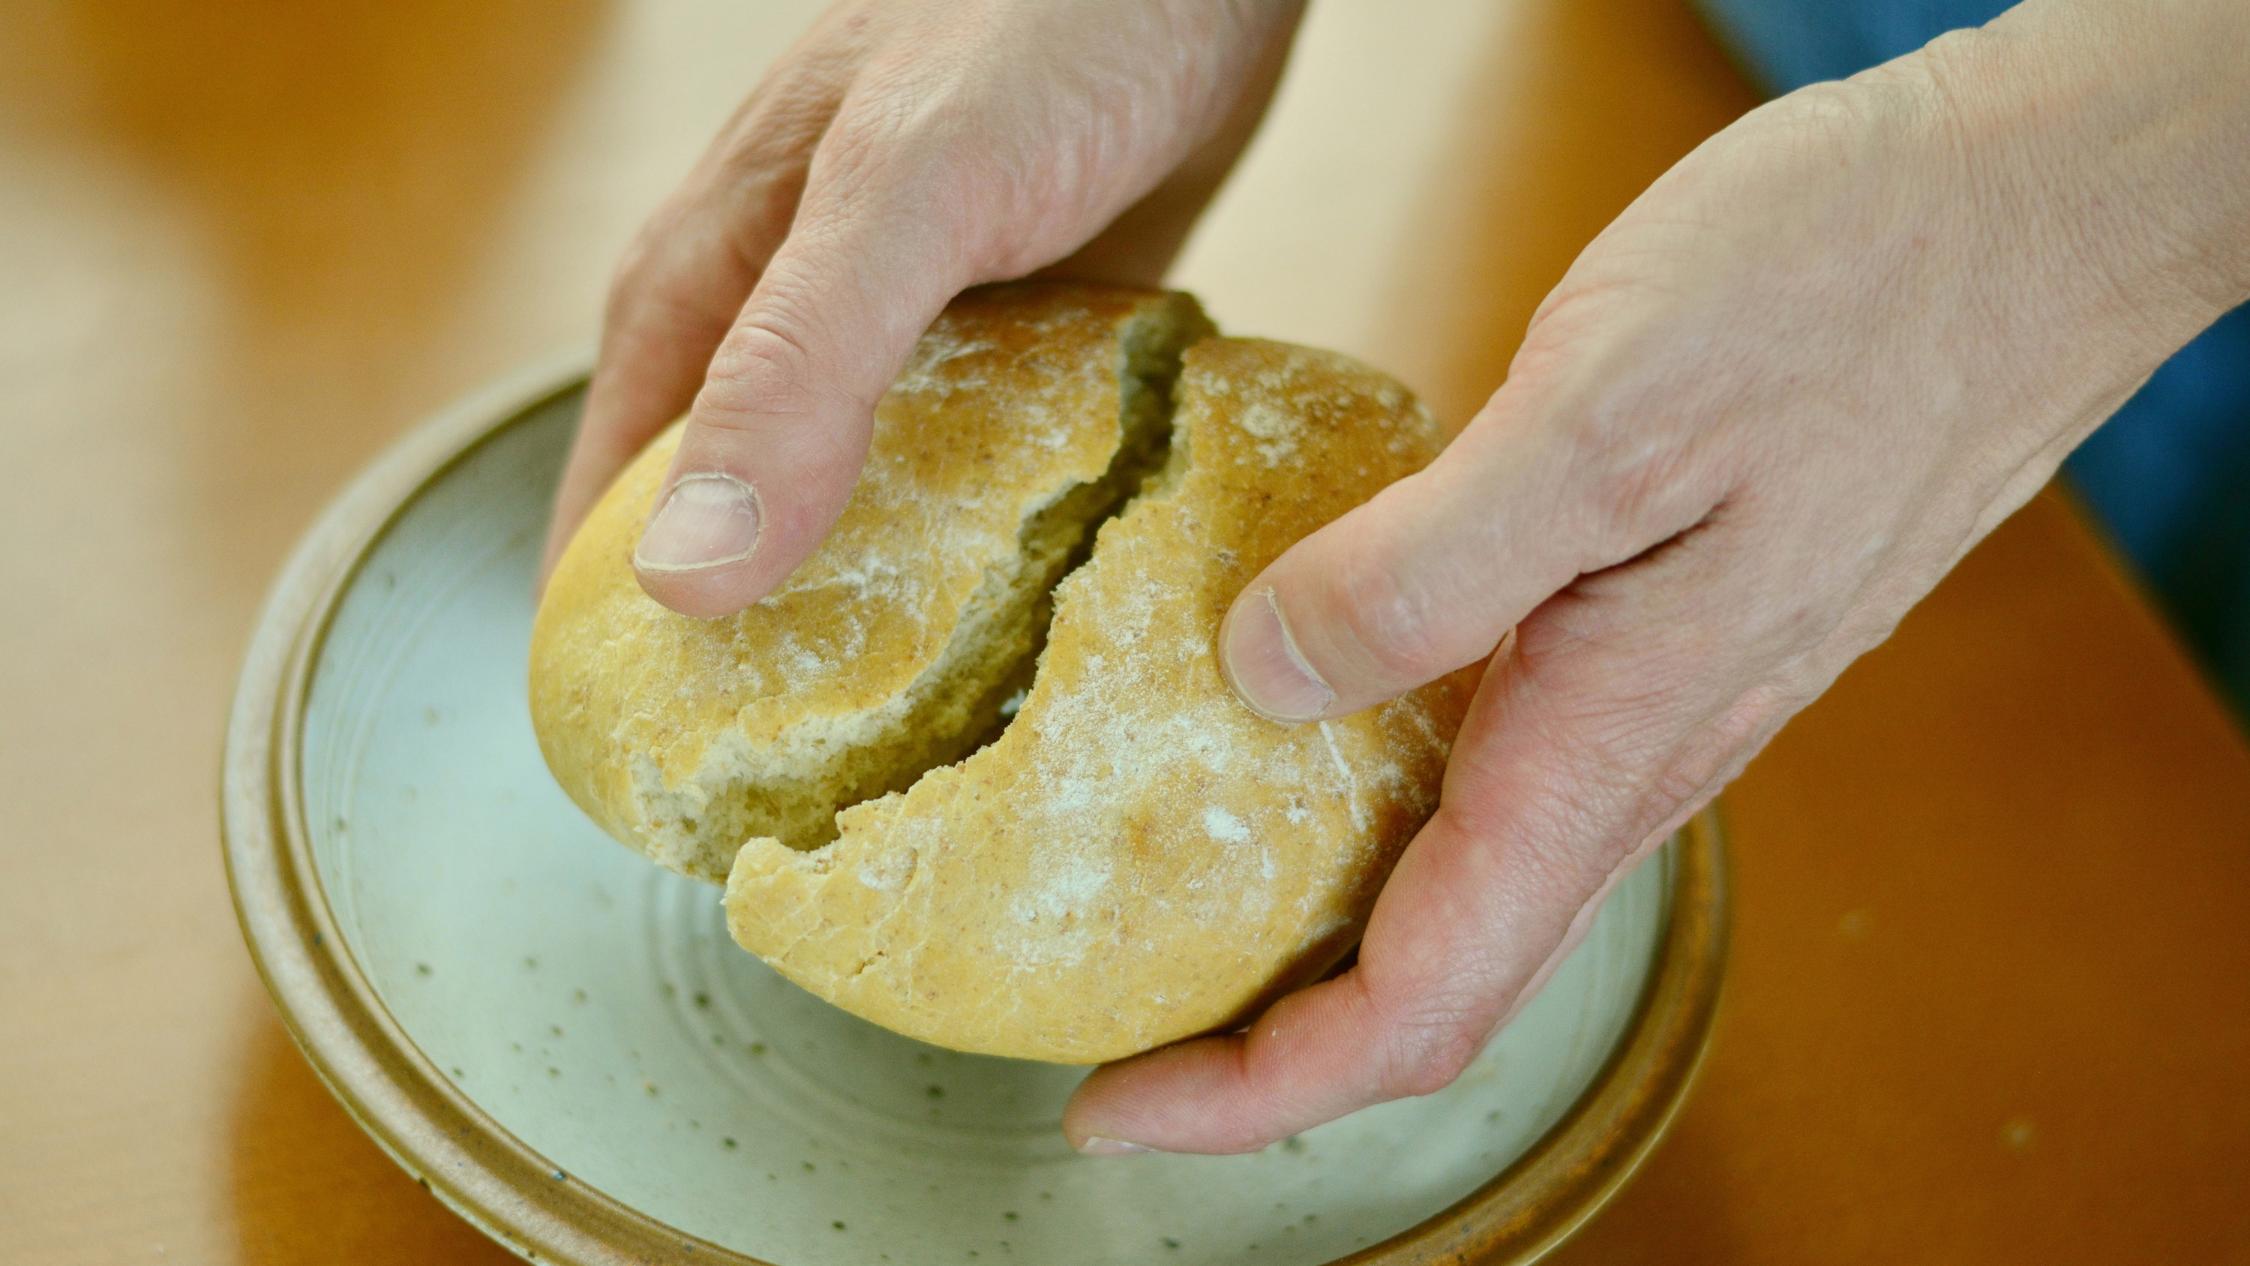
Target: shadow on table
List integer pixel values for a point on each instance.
(309, 1187)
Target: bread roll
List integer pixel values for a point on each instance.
(1022, 418)
(1136, 857)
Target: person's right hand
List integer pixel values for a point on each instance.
(899, 154)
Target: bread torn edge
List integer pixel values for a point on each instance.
(743, 791)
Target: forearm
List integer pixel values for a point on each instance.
(2129, 122)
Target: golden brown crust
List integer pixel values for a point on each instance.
(653, 722)
(1139, 857)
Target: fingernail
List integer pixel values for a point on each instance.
(707, 520)
(1261, 661)
(1096, 1145)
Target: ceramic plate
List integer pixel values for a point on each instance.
(560, 1039)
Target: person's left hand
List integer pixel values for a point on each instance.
(1765, 411)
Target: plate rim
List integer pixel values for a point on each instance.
(485, 1174)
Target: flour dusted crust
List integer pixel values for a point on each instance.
(1138, 858)
(891, 648)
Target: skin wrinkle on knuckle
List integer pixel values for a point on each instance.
(913, 168)
(760, 370)
(1688, 778)
(878, 138)
(1424, 1056)
(1386, 625)
(1544, 836)
(1259, 1095)
(1421, 1030)
(1589, 786)
(1609, 691)
(1580, 310)
(1638, 468)
(1832, 120)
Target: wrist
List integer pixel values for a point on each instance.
(2121, 129)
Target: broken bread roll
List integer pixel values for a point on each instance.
(1132, 858)
(1021, 420)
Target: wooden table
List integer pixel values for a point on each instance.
(1991, 996)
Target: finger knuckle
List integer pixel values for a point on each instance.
(763, 366)
(906, 113)
(904, 158)
(638, 276)
(1639, 480)
(1573, 318)
(873, 127)
(1426, 1054)
(1388, 620)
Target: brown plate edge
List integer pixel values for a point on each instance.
(404, 1102)
(519, 1198)
(1529, 1208)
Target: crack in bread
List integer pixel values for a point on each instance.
(1134, 857)
(1138, 857)
(1024, 418)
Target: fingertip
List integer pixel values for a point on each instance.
(705, 595)
(707, 521)
(1419, 581)
(1261, 660)
(1303, 1063)
(1168, 1100)
(694, 554)
(1092, 1120)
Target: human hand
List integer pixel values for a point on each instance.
(1760, 417)
(897, 155)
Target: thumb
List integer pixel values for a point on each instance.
(1430, 574)
(777, 435)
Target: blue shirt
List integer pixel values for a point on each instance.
(2169, 475)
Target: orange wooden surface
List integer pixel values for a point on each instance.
(1991, 997)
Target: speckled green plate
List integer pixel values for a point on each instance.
(562, 1042)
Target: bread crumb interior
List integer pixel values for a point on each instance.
(962, 703)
